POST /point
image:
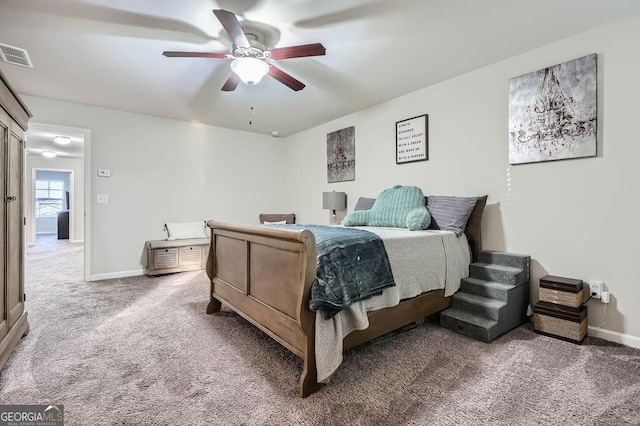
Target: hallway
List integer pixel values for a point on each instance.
(54, 261)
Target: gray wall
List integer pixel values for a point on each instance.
(164, 171)
(568, 215)
(565, 214)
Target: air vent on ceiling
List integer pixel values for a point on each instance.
(15, 55)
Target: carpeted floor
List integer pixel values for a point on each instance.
(141, 351)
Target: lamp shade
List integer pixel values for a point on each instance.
(334, 200)
(250, 70)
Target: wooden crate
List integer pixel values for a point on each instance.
(563, 322)
(561, 291)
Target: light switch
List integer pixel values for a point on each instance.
(103, 198)
(104, 173)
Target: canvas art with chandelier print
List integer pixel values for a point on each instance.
(553, 111)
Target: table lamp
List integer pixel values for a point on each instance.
(334, 201)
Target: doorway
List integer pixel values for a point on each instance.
(57, 188)
(53, 204)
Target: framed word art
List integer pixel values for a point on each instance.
(412, 139)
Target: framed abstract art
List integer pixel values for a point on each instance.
(552, 112)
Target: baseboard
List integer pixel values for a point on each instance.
(76, 241)
(614, 336)
(121, 274)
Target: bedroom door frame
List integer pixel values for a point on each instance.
(72, 212)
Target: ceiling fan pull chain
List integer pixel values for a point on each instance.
(251, 107)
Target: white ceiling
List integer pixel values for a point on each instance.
(109, 52)
(41, 137)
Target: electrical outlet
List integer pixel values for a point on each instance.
(595, 288)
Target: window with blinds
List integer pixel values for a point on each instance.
(49, 197)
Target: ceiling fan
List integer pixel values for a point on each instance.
(251, 57)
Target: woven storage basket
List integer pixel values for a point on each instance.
(559, 321)
(561, 291)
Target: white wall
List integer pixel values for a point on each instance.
(164, 171)
(75, 164)
(575, 217)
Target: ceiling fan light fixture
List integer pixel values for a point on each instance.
(62, 140)
(250, 70)
(48, 154)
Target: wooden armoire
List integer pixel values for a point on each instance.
(13, 123)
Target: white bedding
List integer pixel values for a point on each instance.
(421, 261)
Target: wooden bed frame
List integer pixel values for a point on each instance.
(265, 275)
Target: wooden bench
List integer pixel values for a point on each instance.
(165, 257)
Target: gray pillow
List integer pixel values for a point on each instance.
(450, 213)
(364, 203)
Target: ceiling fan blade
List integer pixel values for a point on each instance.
(314, 49)
(230, 23)
(170, 54)
(285, 78)
(231, 83)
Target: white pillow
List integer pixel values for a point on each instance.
(280, 222)
(185, 230)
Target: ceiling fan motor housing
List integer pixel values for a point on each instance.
(250, 52)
